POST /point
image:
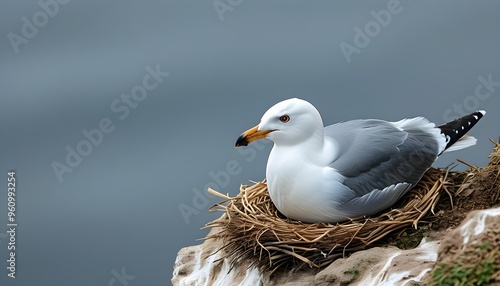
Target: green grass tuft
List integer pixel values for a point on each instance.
(466, 275)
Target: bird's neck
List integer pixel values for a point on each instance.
(316, 141)
(310, 149)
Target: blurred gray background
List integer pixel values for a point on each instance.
(119, 212)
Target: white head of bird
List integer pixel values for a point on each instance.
(288, 122)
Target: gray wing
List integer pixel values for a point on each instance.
(375, 154)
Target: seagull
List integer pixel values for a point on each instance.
(349, 169)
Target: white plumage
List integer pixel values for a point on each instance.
(353, 168)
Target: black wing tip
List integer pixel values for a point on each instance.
(479, 114)
(457, 128)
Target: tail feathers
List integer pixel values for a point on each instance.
(455, 130)
(462, 143)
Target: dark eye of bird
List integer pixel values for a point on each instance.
(284, 118)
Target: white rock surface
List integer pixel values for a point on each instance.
(476, 223)
(381, 266)
(200, 266)
(376, 266)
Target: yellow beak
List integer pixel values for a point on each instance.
(251, 135)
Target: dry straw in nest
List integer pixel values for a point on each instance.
(252, 229)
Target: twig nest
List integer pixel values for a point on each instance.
(252, 229)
